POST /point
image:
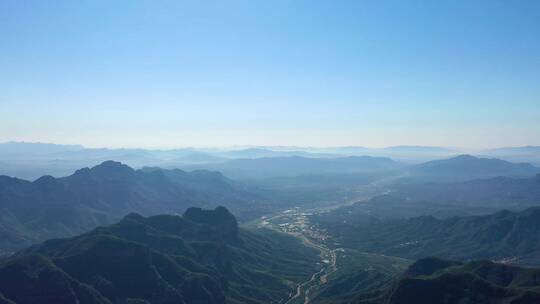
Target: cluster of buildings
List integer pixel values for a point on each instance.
(295, 222)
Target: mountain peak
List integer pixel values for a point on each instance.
(428, 266)
(220, 218)
(465, 157)
(48, 183)
(467, 167)
(6, 181)
(111, 164)
(134, 216)
(45, 179)
(112, 169)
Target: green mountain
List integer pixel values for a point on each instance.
(505, 235)
(481, 282)
(201, 257)
(405, 199)
(57, 207)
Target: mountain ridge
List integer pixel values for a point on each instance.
(481, 282)
(503, 236)
(160, 259)
(54, 207)
(268, 167)
(468, 167)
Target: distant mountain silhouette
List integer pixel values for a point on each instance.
(412, 198)
(398, 152)
(529, 154)
(54, 207)
(32, 160)
(265, 152)
(497, 192)
(514, 150)
(201, 257)
(270, 167)
(467, 167)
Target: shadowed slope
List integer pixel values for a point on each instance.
(58, 207)
(201, 257)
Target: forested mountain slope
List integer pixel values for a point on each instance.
(57, 207)
(201, 257)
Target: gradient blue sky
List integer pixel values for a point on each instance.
(318, 73)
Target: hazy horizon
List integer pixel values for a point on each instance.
(248, 146)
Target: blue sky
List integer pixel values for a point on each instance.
(318, 73)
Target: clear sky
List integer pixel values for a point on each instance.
(222, 73)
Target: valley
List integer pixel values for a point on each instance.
(348, 234)
(335, 262)
(295, 222)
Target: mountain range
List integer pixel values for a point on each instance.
(32, 160)
(53, 207)
(497, 192)
(449, 208)
(200, 257)
(57, 207)
(467, 167)
(505, 236)
(530, 154)
(433, 280)
(409, 198)
(271, 167)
